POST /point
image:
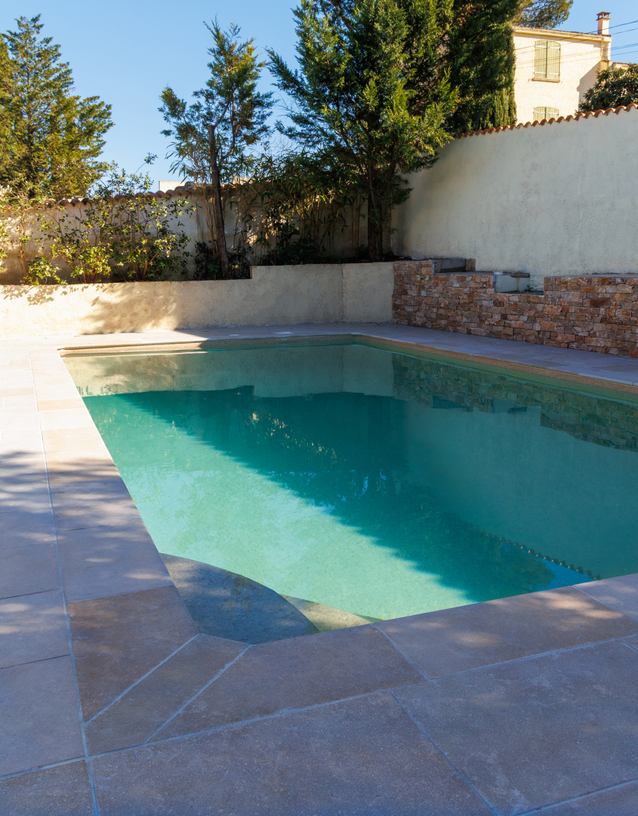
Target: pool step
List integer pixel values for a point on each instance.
(231, 606)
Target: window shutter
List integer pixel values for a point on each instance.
(553, 60)
(540, 59)
(545, 113)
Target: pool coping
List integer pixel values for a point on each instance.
(135, 580)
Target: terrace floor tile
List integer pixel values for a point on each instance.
(86, 504)
(119, 639)
(539, 731)
(68, 419)
(60, 791)
(135, 717)
(22, 442)
(296, 673)
(24, 527)
(101, 561)
(32, 627)
(618, 801)
(483, 634)
(39, 715)
(33, 568)
(66, 439)
(619, 593)
(361, 757)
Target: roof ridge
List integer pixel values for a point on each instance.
(551, 121)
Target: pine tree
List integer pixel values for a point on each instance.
(378, 84)
(50, 139)
(542, 13)
(211, 137)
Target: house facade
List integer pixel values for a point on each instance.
(554, 69)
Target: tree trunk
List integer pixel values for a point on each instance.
(218, 210)
(375, 229)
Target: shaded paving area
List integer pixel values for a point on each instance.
(113, 700)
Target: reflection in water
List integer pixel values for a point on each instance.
(370, 481)
(398, 485)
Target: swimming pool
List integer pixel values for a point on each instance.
(370, 480)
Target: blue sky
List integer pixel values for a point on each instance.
(127, 52)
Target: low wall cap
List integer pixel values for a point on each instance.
(588, 115)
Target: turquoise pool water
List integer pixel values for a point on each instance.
(379, 483)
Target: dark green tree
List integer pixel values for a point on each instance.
(542, 13)
(212, 137)
(613, 88)
(480, 53)
(378, 83)
(50, 138)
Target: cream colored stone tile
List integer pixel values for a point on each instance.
(73, 439)
(71, 419)
(59, 404)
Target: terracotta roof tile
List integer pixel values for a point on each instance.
(551, 121)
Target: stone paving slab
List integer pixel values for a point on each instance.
(295, 673)
(362, 757)
(119, 639)
(38, 712)
(470, 637)
(32, 628)
(60, 791)
(537, 731)
(523, 713)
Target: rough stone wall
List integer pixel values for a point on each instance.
(588, 417)
(589, 313)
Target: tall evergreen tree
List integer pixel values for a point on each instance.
(378, 84)
(50, 138)
(211, 136)
(481, 57)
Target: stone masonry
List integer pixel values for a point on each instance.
(591, 313)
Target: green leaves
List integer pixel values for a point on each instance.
(50, 138)
(371, 98)
(229, 102)
(123, 232)
(613, 88)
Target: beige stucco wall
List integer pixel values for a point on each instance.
(321, 293)
(553, 199)
(579, 64)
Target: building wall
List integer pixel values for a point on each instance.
(552, 199)
(314, 293)
(579, 65)
(589, 313)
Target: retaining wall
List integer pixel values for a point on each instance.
(557, 198)
(321, 293)
(592, 313)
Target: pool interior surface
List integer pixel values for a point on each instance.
(380, 483)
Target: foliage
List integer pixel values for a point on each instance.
(481, 59)
(237, 114)
(378, 84)
(50, 138)
(207, 266)
(123, 232)
(19, 220)
(613, 88)
(542, 13)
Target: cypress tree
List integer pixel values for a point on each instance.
(482, 64)
(50, 138)
(379, 82)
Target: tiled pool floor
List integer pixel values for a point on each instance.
(112, 703)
